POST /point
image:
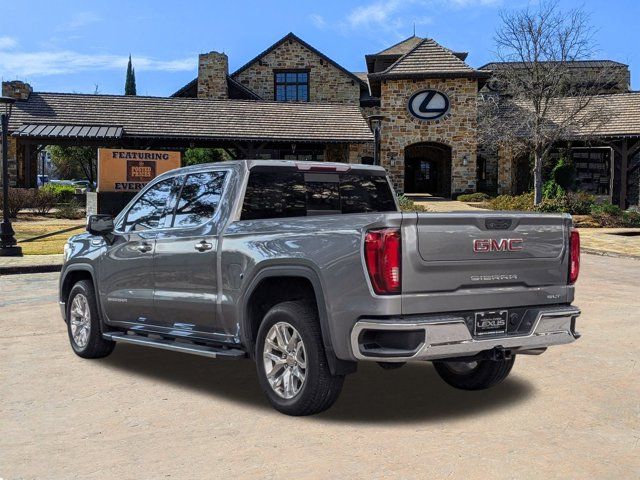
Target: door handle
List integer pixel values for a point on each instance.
(144, 247)
(203, 246)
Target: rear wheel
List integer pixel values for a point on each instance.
(291, 361)
(83, 323)
(474, 375)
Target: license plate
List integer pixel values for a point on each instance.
(491, 323)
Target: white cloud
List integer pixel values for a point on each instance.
(22, 64)
(318, 20)
(7, 43)
(82, 19)
(379, 12)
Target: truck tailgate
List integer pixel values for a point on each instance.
(478, 260)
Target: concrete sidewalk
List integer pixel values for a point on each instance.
(30, 264)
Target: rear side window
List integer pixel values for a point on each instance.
(199, 199)
(290, 193)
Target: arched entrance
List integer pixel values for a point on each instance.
(427, 169)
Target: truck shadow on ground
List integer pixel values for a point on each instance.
(372, 395)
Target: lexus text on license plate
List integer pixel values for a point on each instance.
(491, 323)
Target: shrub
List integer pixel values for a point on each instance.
(575, 203)
(522, 202)
(19, 199)
(43, 201)
(474, 197)
(71, 210)
(408, 205)
(607, 209)
(564, 174)
(551, 189)
(63, 193)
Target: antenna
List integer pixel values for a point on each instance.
(414, 29)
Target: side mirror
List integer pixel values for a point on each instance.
(100, 224)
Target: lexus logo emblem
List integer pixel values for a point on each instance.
(485, 245)
(428, 104)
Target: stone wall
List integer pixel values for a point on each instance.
(16, 89)
(326, 82)
(357, 151)
(457, 129)
(213, 68)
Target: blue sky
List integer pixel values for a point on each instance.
(72, 46)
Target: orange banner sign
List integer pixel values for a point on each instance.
(130, 170)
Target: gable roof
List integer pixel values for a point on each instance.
(187, 119)
(292, 37)
(428, 58)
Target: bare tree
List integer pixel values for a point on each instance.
(538, 96)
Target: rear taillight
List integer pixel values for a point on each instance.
(382, 256)
(574, 256)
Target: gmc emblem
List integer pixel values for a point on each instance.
(484, 245)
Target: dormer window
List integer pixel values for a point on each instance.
(292, 86)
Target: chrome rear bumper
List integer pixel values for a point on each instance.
(450, 337)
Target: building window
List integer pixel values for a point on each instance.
(292, 86)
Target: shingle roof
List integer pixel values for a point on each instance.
(574, 64)
(620, 112)
(428, 58)
(192, 118)
(402, 47)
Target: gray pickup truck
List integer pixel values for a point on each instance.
(309, 268)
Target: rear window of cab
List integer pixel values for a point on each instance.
(282, 193)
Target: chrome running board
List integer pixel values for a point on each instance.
(203, 350)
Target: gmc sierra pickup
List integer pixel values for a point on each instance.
(309, 268)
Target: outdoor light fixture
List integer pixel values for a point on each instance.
(8, 242)
(465, 160)
(375, 121)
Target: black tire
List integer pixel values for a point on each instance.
(320, 388)
(96, 346)
(486, 374)
(391, 365)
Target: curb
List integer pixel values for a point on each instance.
(19, 269)
(604, 253)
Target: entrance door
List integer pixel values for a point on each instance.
(421, 176)
(427, 169)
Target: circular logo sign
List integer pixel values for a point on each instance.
(428, 104)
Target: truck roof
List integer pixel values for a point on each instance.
(282, 163)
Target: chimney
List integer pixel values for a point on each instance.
(213, 68)
(16, 89)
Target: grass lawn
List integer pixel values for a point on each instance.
(29, 226)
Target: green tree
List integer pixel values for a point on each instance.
(130, 82)
(196, 156)
(75, 162)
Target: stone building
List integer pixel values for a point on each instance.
(414, 111)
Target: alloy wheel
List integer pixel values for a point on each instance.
(285, 360)
(80, 320)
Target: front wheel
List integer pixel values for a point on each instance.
(291, 361)
(474, 375)
(83, 323)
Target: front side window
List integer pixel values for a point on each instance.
(292, 86)
(199, 199)
(149, 210)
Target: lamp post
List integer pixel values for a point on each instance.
(376, 122)
(8, 247)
